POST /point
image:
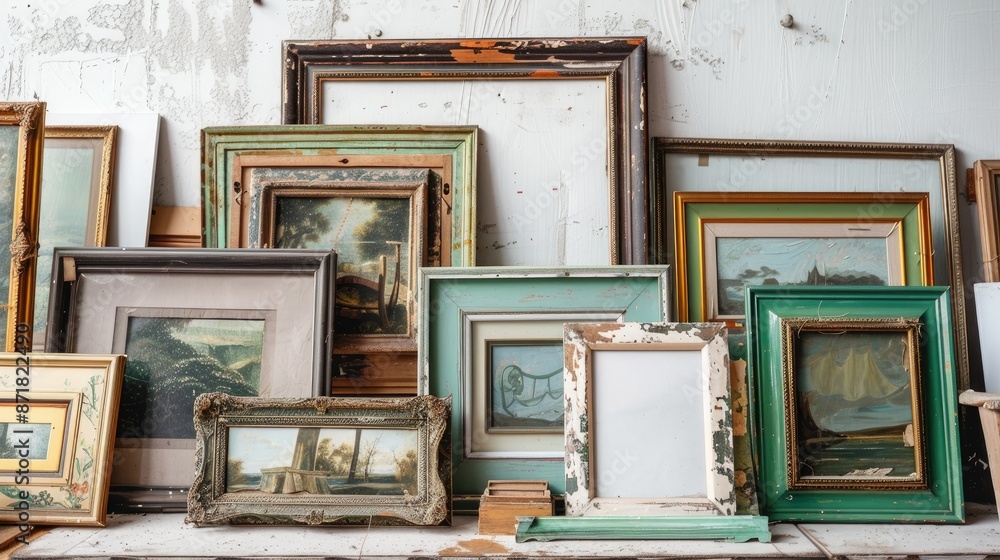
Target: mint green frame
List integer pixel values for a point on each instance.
(220, 145)
(942, 500)
(911, 211)
(448, 297)
(732, 528)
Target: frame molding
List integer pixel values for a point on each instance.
(985, 173)
(582, 444)
(941, 497)
(29, 118)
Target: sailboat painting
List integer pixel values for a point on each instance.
(856, 408)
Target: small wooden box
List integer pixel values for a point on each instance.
(505, 500)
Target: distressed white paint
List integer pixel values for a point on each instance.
(892, 71)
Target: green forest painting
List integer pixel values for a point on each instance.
(372, 239)
(173, 360)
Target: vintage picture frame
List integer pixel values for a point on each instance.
(819, 461)
(684, 371)
(230, 153)
(232, 431)
(72, 409)
(375, 221)
(616, 64)
(464, 310)
(21, 144)
(883, 237)
(806, 167)
(78, 171)
(248, 321)
(987, 190)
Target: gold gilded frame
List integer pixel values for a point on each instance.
(91, 386)
(790, 329)
(985, 173)
(29, 117)
(109, 138)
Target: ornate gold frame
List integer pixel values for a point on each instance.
(29, 117)
(790, 328)
(109, 137)
(987, 192)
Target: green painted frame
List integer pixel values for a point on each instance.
(452, 299)
(734, 528)
(220, 146)
(910, 212)
(769, 308)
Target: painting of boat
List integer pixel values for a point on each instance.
(855, 405)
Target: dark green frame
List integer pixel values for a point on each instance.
(942, 500)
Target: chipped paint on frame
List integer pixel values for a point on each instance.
(710, 339)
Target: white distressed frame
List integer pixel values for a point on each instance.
(710, 339)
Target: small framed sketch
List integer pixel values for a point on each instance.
(76, 200)
(321, 461)
(55, 458)
(856, 393)
(21, 144)
(249, 322)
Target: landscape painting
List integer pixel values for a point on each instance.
(67, 181)
(318, 460)
(854, 407)
(172, 360)
(372, 239)
(796, 261)
(37, 435)
(526, 387)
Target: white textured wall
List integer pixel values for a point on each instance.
(901, 71)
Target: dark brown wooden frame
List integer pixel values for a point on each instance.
(619, 60)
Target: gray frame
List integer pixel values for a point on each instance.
(228, 265)
(211, 503)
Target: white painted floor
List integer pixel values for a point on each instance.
(166, 536)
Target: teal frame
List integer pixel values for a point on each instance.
(768, 309)
(732, 528)
(450, 299)
(221, 145)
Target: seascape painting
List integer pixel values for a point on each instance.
(67, 182)
(526, 384)
(172, 360)
(372, 239)
(318, 460)
(847, 261)
(854, 405)
(37, 436)
(9, 136)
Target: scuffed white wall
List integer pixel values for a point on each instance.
(898, 71)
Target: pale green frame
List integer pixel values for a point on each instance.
(221, 145)
(451, 298)
(768, 308)
(735, 528)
